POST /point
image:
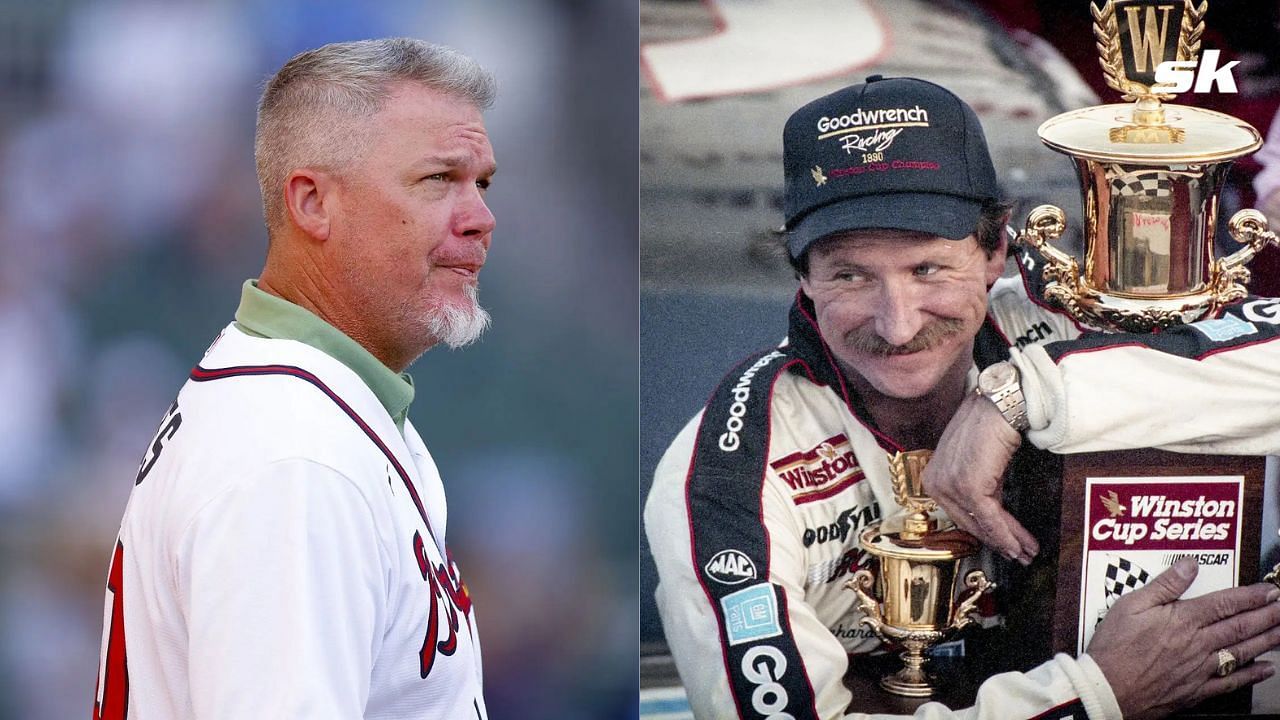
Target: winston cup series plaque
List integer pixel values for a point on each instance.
(1127, 516)
(1136, 527)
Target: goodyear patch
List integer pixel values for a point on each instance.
(751, 614)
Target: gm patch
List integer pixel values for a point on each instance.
(751, 614)
(1227, 327)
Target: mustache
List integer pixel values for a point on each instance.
(469, 257)
(865, 340)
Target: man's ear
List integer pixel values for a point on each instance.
(307, 198)
(804, 286)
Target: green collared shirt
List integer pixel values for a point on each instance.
(262, 314)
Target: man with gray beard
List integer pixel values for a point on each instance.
(905, 336)
(283, 552)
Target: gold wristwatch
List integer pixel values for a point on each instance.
(1002, 385)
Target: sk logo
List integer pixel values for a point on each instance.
(818, 177)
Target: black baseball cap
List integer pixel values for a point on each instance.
(896, 153)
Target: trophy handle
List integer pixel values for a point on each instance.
(871, 617)
(966, 611)
(1045, 224)
(1249, 228)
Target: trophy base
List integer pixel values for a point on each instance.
(909, 684)
(957, 679)
(1122, 312)
(913, 680)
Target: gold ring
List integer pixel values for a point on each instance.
(1226, 663)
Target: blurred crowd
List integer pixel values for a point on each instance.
(129, 217)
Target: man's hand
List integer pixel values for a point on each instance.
(966, 475)
(1159, 653)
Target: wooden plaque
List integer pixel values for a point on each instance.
(1145, 508)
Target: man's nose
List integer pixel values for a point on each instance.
(472, 217)
(898, 317)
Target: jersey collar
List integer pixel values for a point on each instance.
(264, 315)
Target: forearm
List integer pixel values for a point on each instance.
(1124, 396)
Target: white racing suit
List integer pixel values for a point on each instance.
(756, 507)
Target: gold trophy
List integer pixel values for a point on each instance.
(919, 561)
(1150, 174)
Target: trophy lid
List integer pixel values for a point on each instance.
(1135, 38)
(1187, 135)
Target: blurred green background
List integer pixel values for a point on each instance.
(129, 216)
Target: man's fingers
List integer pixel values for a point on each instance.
(960, 515)
(987, 520)
(997, 528)
(1022, 546)
(1247, 675)
(1030, 548)
(1168, 585)
(962, 518)
(1229, 603)
(1253, 647)
(1260, 624)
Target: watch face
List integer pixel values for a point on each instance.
(996, 377)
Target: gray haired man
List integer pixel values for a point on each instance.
(283, 552)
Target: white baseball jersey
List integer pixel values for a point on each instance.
(283, 555)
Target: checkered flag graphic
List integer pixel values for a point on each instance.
(1154, 186)
(1122, 577)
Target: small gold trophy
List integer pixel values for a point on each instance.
(919, 560)
(1150, 175)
